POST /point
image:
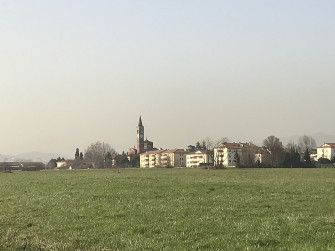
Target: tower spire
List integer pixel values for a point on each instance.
(140, 137)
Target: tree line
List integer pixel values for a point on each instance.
(103, 155)
(291, 155)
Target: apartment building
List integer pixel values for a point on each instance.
(225, 153)
(163, 158)
(194, 159)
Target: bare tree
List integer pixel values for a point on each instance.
(292, 156)
(248, 155)
(210, 145)
(221, 141)
(98, 152)
(306, 143)
(275, 147)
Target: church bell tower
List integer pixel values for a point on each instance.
(140, 137)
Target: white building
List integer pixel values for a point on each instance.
(163, 158)
(225, 154)
(327, 151)
(194, 159)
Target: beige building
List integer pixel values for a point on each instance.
(327, 151)
(150, 159)
(163, 158)
(194, 159)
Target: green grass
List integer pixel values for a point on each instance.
(168, 209)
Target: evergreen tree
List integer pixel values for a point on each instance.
(76, 156)
(237, 159)
(121, 160)
(203, 145)
(292, 156)
(307, 158)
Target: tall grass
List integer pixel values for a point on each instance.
(168, 209)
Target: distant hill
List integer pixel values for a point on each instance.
(33, 156)
(320, 138)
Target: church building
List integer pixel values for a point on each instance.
(142, 145)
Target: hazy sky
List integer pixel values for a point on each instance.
(76, 72)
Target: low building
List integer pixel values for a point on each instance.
(75, 164)
(132, 151)
(313, 155)
(21, 166)
(326, 151)
(194, 159)
(163, 158)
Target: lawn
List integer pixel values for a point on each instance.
(168, 209)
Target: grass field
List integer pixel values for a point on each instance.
(168, 209)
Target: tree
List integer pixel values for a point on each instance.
(97, 152)
(292, 156)
(248, 155)
(306, 143)
(203, 145)
(135, 160)
(237, 159)
(121, 160)
(219, 156)
(307, 159)
(324, 161)
(209, 146)
(275, 147)
(108, 161)
(191, 148)
(53, 163)
(76, 156)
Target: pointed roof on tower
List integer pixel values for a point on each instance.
(140, 122)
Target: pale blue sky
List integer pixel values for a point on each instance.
(74, 72)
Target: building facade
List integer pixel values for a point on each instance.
(163, 158)
(194, 159)
(225, 154)
(327, 151)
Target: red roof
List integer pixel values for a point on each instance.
(165, 151)
(231, 145)
(176, 151)
(327, 145)
(198, 152)
(152, 152)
